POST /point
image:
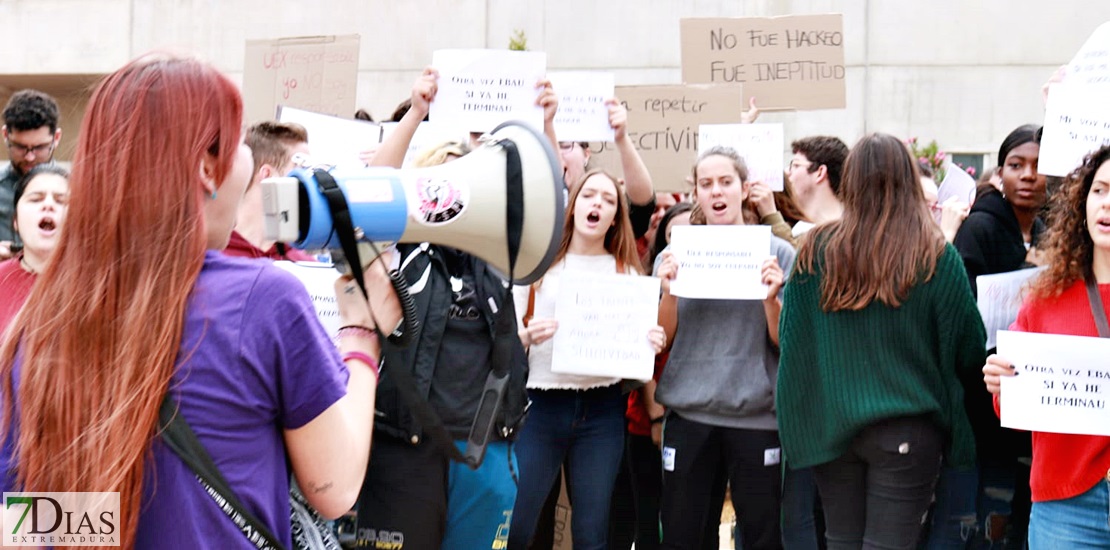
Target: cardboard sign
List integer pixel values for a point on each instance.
(1076, 122)
(761, 146)
(333, 140)
(583, 114)
(663, 124)
(1062, 385)
(479, 89)
(314, 73)
(791, 62)
(603, 325)
(722, 262)
(1091, 65)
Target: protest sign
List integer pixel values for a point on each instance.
(1000, 297)
(583, 114)
(1076, 122)
(790, 62)
(314, 73)
(1062, 383)
(319, 280)
(333, 140)
(1091, 64)
(721, 262)
(663, 126)
(761, 146)
(479, 89)
(603, 325)
(428, 134)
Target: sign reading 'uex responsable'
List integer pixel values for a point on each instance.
(61, 519)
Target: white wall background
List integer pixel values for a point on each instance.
(964, 72)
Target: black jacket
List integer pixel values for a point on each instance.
(423, 266)
(990, 238)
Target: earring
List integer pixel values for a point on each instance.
(213, 195)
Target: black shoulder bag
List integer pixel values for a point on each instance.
(1097, 309)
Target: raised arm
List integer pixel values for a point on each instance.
(393, 149)
(637, 180)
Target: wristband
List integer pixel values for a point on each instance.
(658, 420)
(365, 358)
(356, 330)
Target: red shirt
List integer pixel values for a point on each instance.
(15, 285)
(639, 422)
(238, 247)
(1064, 465)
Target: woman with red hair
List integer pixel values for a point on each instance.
(138, 303)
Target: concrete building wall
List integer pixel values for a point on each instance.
(964, 72)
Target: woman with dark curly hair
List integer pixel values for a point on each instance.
(1070, 480)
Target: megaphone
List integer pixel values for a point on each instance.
(461, 204)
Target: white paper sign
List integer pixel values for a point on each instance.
(1076, 122)
(720, 261)
(319, 280)
(583, 114)
(479, 89)
(1062, 384)
(335, 141)
(1091, 65)
(603, 325)
(1000, 296)
(427, 135)
(761, 145)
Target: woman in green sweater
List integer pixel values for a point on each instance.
(878, 321)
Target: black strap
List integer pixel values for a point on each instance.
(179, 437)
(342, 224)
(504, 334)
(1097, 308)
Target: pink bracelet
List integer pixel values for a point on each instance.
(365, 358)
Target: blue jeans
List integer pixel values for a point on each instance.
(1078, 522)
(954, 520)
(799, 497)
(585, 429)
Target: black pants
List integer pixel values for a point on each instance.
(635, 513)
(697, 457)
(876, 494)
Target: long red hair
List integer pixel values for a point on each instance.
(101, 330)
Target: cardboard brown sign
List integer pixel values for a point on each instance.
(313, 73)
(663, 124)
(790, 62)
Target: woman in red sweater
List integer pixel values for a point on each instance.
(1071, 473)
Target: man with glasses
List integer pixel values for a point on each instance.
(31, 134)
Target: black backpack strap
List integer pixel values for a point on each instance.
(179, 437)
(1098, 310)
(504, 336)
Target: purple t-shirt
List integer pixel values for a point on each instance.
(254, 361)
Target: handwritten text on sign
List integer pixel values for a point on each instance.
(314, 73)
(319, 280)
(603, 325)
(663, 126)
(1076, 122)
(1000, 296)
(791, 62)
(722, 262)
(1062, 384)
(583, 114)
(1091, 64)
(760, 145)
(479, 89)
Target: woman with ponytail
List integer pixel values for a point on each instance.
(138, 304)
